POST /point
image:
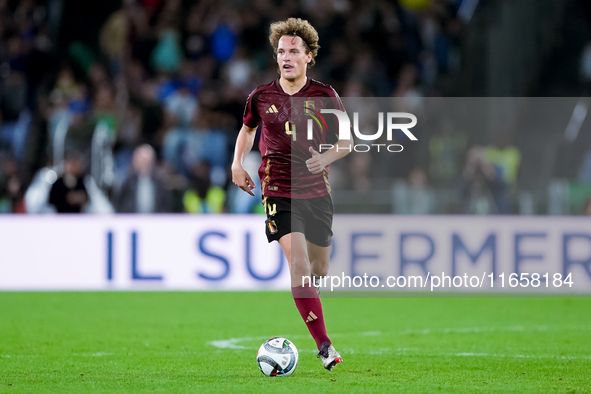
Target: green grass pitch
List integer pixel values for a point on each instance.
(194, 342)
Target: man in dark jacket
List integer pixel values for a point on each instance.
(68, 193)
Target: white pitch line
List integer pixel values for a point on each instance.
(516, 356)
(371, 333)
(234, 343)
(231, 343)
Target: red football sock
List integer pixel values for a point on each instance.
(310, 308)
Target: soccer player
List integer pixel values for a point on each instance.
(294, 170)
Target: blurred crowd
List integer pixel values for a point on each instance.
(152, 106)
(141, 114)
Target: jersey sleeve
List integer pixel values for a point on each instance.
(334, 102)
(251, 116)
(337, 100)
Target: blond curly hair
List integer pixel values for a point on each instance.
(296, 27)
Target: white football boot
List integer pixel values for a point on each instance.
(330, 357)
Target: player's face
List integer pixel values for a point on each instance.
(292, 58)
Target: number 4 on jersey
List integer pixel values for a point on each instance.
(290, 129)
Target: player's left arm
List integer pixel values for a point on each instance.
(319, 161)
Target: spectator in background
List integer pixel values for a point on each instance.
(223, 39)
(80, 127)
(181, 111)
(195, 40)
(68, 194)
(11, 187)
(414, 197)
(207, 142)
(360, 173)
(182, 101)
(238, 71)
(167, 55)
(446, 150)
(505, 157)
(484, 188)
(65, 90)
(128, 138)
(202, 197)
(409, 90)
(587, 207)
(584, 175)
(153, 116)
(104, 109)
(113, 36)
(5, 203)
(142, 191)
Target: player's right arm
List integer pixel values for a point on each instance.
(244, 144)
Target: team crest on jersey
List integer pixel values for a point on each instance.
(308, 105)
(272, 109)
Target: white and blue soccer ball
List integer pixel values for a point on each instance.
(277, 357)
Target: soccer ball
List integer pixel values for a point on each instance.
(277, 357)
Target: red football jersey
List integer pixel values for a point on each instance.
(284, 142)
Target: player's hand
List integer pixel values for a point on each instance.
(241, 179)
(316, 163)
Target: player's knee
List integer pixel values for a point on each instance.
(300, 262)
(300, 267)
(320, 271)
(319, 266)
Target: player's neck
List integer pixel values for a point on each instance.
(294, 86)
